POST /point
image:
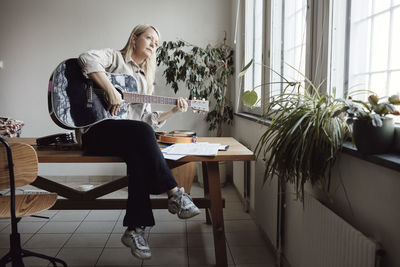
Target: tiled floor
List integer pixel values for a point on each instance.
(92, 237)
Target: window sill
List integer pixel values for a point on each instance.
(391, 160)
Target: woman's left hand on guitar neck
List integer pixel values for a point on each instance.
(181, 106)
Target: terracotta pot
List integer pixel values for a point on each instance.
(373, 140)
(184, 175)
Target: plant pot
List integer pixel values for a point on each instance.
(373, 140)
(184, 175)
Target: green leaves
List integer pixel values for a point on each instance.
(374, 109)
(249, 98)
(204, 72)
(244, 70)
(303, 139)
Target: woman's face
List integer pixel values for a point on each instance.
(145, 45)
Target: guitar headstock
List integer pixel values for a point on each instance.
(199, 105)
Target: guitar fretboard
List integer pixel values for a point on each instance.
(140, 98)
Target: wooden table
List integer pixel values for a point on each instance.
(212, 200)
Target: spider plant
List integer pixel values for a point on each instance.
(304, 137)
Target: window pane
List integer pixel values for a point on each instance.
(395, 51)
(258, 33)
(380, 5)
(249, 34)
(378, 84)
(360, 11)
(374, 56)
(294, 42)
(380, 42)
(394, 86)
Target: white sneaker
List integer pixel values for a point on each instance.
(182, 204)
(137, 242)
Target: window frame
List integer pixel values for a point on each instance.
(316, 66)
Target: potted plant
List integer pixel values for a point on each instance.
(205, 73)
(304, 136)
(373, 128)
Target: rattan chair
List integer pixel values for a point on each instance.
(19, 167)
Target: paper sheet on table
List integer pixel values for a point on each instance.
(198, 149)
(172, 157)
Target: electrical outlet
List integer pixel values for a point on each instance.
(1, 64)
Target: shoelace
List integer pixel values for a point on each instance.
(139, 239)
(184, 201)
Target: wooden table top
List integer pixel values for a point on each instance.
(236, 152)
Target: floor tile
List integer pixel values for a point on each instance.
(205, 256)
(167, 257)
(34, 261)
(114, 241)
(178, 227)
(26, 227)
(241, 239)
(75, 256)
(95, 227)
(87, 240)
(4, 224)
(118, 256)
(252, 254)
(47, 241)
(240, 226)
(198, 227)
(47, 213)
(103, 215)
(59, 227)
(167, 240)
(70, 215)
(200, 240)
(5, 239)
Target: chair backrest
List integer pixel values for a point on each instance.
(25, 165)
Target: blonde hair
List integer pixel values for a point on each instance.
(149, 65)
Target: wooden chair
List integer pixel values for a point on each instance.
(19, 167)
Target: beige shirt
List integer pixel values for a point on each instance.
(112, 61)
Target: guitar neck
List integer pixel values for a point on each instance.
(140, 98)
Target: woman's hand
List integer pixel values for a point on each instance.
(114, 101)
(181, 105)
(114, 98)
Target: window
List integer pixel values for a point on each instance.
(283, 50)
(288, 42)
(254, 46)
(371, 46)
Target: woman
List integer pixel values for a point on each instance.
(134, 139)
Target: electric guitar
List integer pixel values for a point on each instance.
(76, 102)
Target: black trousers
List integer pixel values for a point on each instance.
(147, 169)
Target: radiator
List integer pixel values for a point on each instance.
(329, 241)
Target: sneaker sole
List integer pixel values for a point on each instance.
(191, 216)
(134, 253)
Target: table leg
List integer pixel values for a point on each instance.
(217, 218)
(206, 190)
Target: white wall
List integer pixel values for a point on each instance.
(37, 35)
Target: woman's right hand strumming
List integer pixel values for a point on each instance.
(114, 101)
(114, 98)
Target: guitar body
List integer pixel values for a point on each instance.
(76, 102)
